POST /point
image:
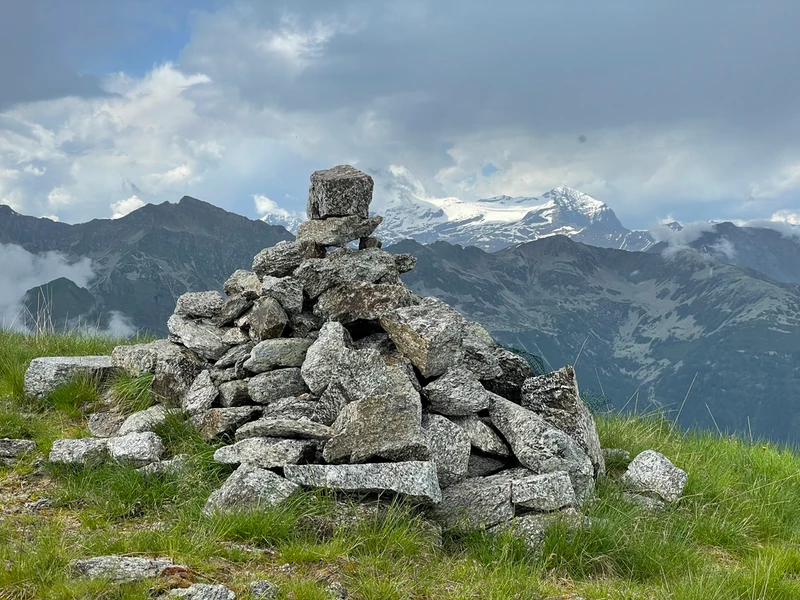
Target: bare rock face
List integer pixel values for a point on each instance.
(267, 453)
(267, 319)
(274, 385)
(120, 568)
(199, 304)
(201, 394)
(82, 451)
(457, 393)
(337, 231)
(283, 258)
(277, 353)
(449, 448)
(367, 266)
(242, 282)
(339, 192)
(475, 503)
(652, 473)
(136, 448)
(250, 486)
(428, 333)
(46, 374)
(205, 339)
(286, 290)
(556, 399)
(357, 300)
(482, 436)
(415, 480)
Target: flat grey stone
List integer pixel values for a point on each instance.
(203, 591)
(286, 290)
(274, 385)
(531, 528)
(79, 451)
(284, 257)
(429, 334)
(250, 486)
(339, 192)
(120, 568)
(12, 448)
(199, 304)
(449, 448)
(369, 266)
(105, 423)
(277, 353)
(242, 281)
(205, 339)
(46, 374)
(357, 300)
(474, 504)
(456, 393)
(481, 466)
(263, 589)
(543, 493)
(144, 420)
(482, 436)
(173, 465)
(294, 407)
(414, 480)
(324, 355)
(136, 448)
(219, 422)
(201, 394)
(267, 453)
(652, 473)
(303, 429)
(234, 393)
(266, 319)
(337, 231)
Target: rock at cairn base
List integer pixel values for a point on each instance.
(51, 372)
(120, 568)
(250, 486)
(652, 473)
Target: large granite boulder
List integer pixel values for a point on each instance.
(249, 487)
(46, 374)
(449, 448)
(136, 448)
(357, 300)
(339, 192)
(337, 231)
(219, 422)
(652, 473)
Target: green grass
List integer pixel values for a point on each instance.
(735, 534)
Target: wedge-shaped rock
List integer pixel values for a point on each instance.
(136, 448)
(266, 319)
(405, 262)
(203, 591)
(652, 473)
(120, 568)
(233, 308)
(144, 420)
(457, 393)
(48, 373)
(199, 304)
(541, 447)
(543, 493)
(368, 266)
(267, 453)
(285, 428)
(474, 504)
(482, 436)
(429, 334)
(219, 422)
(339, 192)
(479, 352)
(323, 356)
(515, 371)
(234, 393)
(249, 486)
(286, 290)
(242, 282)
(201, 394)
(79, 452)
(283, 258)
(357, 300)
(277, 353)
(449, 448)
(203, 338)
(481, 465)
(337, 231)
(12, 448)
(293, 407)
(414, 480)
(274, 385)
(556, 399)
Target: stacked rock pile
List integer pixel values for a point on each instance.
(321, 369)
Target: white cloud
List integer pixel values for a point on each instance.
(266, 206)
(123, 207)
(786, 216)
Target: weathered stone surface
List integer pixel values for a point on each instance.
(369, 266)
(277, 353)
(652, 473)
(305, 325)
(457, 393)
(234, 336)
(532, 527)
(263, 589)
(218, 422)
(645, 502)
(515, 371)
(482, 436)
(286, 290)
(428, 333)
(222, 376)
(339, 192)
(415, 480)
(79, 452)
(358, 300)
(201, 394)
(234, 393)
(300, 407)
(203, 338)
(232, 356)
(337, 231)
(242, 282)
(266, 319)
(481, 466)
(172, 465)
(274, 385)
(369, 242)
(267, 453)
(136, 448)
(199, 304)
(48, 373)
(543, 493)
(615, 457)
(556, 399)
(283, 258)
(405, 262)
(324, 355)
(233, 308)
(541, 447)
(12, 448)
(120, 568)
(144, 420)
(203, 591)
(479, 352)
(449, 448)
(285, 428)
(474, 504)
(105, 423)
(137, 359)
(250, 486)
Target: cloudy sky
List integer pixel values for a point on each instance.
(656, 107)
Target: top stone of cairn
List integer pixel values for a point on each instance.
(339, 192)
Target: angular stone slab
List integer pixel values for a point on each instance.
(48, 373)
(284, 257)
(286, 290)
(233, 308)
(414, 480)
(144, 420)
(481, 466)
(218, 422)
(136, 448)
(357, 300)
(323, 356)
(199, 304)
(405, 262)
(531, 528)
(449, 448)
(294, 407)
(277, 353)
(368, 266)
(652, 473)
(235, 354)
(242, 282)
(266, 319)
(285, 428)
(482, 436)
(515, 370)
(267, 453)
(120, 568)
(12, 448)
(479, 352)
(337, 231)
(274, 385)
(476, 503)
(234, 393)
(201, 394)
(202, 338)
(203, 591)
(339, 192)
(543, 493)
(250, 486)
(79, 451)
(429, 334)
(457, 393)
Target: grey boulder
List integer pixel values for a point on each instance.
(266, 319)
(543, 493)
(337, 231)
(457, 393)
(285, 428)
(357, 300)
(652, 473)
(339, 192)
(105, 424)
(120, 568)
(476, 503)
(284, 257)
(277, 353)
(48, 373)
(234, 393)
(249, 486)
(286, 290)
(81, 451)
(219, 422)
(482, 436)
(201, 394)
(199, 304)
(324, 355)
(144, 420)
(136, 448)
(449, 448)
(13, 448)
(242, 282)
(267, 453)
(368, 266)
(203, 591)
(205, 339)
(274, 385)
(515, 371)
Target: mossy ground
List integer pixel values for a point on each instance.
(735, 535)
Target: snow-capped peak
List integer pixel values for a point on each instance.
(575, 201)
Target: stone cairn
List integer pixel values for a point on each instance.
(321, 369)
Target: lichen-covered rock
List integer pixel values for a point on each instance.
(233, 308)
(555, 398)
(414, 480)
(173, 465)
(46, 374)
(476, 503)
(545, 492)
(120, 568)
(449, 448)
(274, 385)
(199, 304)
(136, 448)
(337, 231)
(652, 473)
(541, 447)
(428, 333)
(219, 422)
(250, 486)
(263, 589)
(285, 428)
(267, 453)
(277, 353)
(357, 300)
(203, 591)
(294, 407)
(242, 282)
(368, 266)
(339, 192)
(284, 257)
(144, 420)
(105, 423)
(323, 356)
(266, 319)
(286, 290)
(482, 436)
(234, 393)
(457, 393)
(13, 448)
(79, 451)
(515, 371)
(203, 338)
(201, 394)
